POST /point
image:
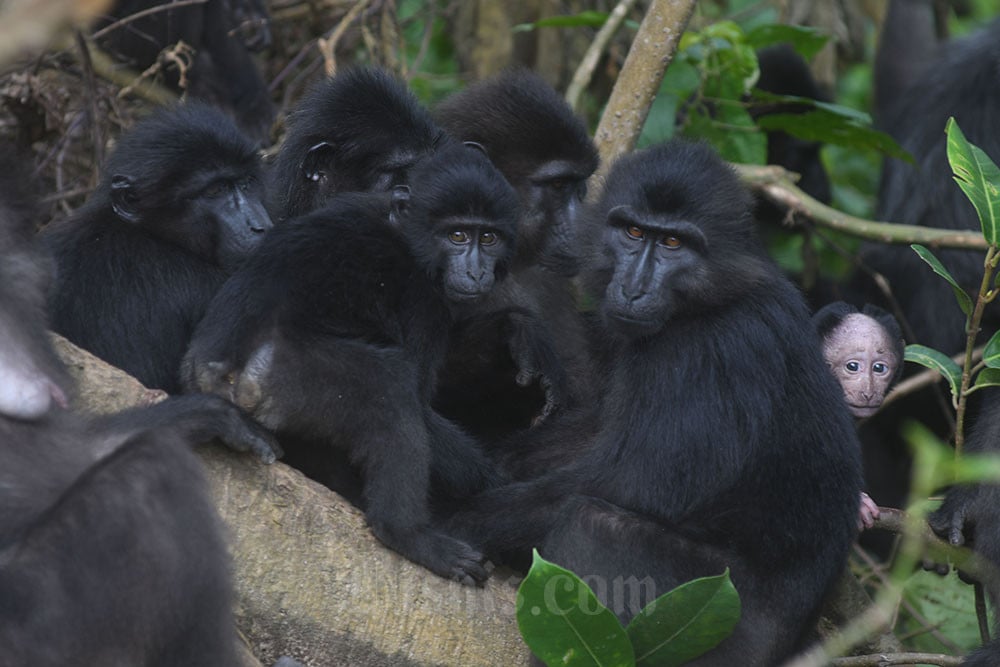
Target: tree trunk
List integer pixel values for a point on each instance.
(311, 581)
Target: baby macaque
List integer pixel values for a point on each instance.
(864, 350)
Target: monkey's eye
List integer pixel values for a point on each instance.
(671, 242)
(458, 237)
(853, 366)
(880, 367)
(635, 233)
(488, 238)
(215, 189)
(558, 184)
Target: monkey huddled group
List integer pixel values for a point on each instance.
(397, 297)
(423, 310)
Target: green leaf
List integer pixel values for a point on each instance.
(975, 468)
(964, 300)
(563, 623)
(979, 178)
(988, 377)
(685, 622)
(829, 124)
(944, 603)
(731, 130)
(807, 42)
(991, 353)
(939, 361)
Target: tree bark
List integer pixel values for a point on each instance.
(311, 581)
(634, 92)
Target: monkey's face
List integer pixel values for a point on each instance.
(862, 356)
(656, 261)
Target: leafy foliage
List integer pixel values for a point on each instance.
(964, 300)
(978, 177)
(563, 622)
(709, 92)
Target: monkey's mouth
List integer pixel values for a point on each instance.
(633, 326)
(463, 296)
(864, 410)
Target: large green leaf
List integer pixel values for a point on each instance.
(806, 41)
(979, 178)
(988, 377)
(991, 353)
(564, 623)
(939, 361)
(964, 300)
(685, 622)
(829, 124)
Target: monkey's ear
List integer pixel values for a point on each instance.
(400, 206)
(476, 146)
(316, 158)
(123, 198)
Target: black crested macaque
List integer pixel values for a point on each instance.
(179, 206)
(724, 441)
(525, 353)
(864, 350)
(332, 334)
(111, 551)
(361, 130)
(222, 33)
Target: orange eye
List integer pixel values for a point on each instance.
(458, 237)
(671, 242)
(635, 233)
(488, 238)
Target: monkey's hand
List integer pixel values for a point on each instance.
(868, 512)
(536, 361)
(953, 521)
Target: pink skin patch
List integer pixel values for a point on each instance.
(862, 357)
(25, 392)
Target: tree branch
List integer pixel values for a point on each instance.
(583, 74)
(886, 659)
(633, 94)
(778, 185)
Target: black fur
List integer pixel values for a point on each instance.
(963, 82)
(333, 333)
(525, 353)
(919, 85)
(222, 34)
(178, 207)
(722, 441)
(110, 548)
(358, 131)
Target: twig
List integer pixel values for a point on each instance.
(628, 106)
(91, 88)
(984, 624)
(128, 79)
(983, 297)
(146, 12)
(778, 186)
(585, 72)
(425, 41)
(925, 378)
(886, 659)
(327, 46)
